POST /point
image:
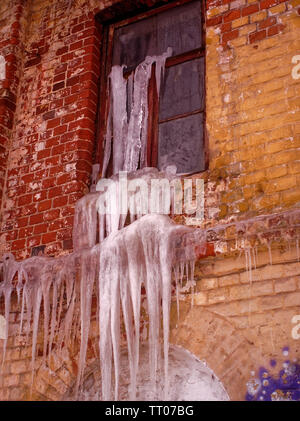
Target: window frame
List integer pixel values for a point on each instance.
(110, 23)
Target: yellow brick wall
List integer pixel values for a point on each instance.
(253, 114)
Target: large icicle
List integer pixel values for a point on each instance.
(139, 253)
(127, 120)
(10, 268)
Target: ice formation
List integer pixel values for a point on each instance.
(115, 253)
(141, 191)
(189, 378)
(128, 114)
(59, 291)
(113, 265)
(109, 260)
(141, 253)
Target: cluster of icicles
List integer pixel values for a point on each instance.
(110, 260)
(115, 270)
(128, 114)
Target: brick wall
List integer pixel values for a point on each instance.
(12, 31)
(253, 108)
(50, 157)
(47, 122)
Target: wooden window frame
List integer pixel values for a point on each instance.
(110, 21)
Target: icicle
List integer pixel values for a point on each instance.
(108, 141)
(36, 298)
(10, 268)
(140, 251)
(119, 119)
(136, 273)
(128, 114)
(192, 269)
(255, 257)
(176, 276)
(137, 127)
(88, 273)
(106, 275)
(85, 222)
(46, 285)
(160, 68)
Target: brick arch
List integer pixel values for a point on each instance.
(91, 382)
(55, 379)
(207, 335)
(212, 338)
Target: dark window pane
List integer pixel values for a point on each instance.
(134, 42)
(183, 89)
(181, 144)
(180, 28)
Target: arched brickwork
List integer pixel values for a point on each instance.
(215, 340)
(210, 337)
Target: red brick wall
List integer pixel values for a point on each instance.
(231, 16)
(50, 159)
(11, 45)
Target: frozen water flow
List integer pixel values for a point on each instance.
(138, 254)
(129, 127)
(112, 261)
(92, 224)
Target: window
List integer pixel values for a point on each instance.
(176, 118)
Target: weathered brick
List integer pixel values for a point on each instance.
(283, 285)
(257, 36)
(262, 288)
(232, 15)
(240, 22)
(282, 183)
(45, 205)
(18, 367)
(239, 292)
(264, 4)
(40, 228)
(214, 21)
(217, 296)
(258, 16)
(208, 283)
(249, 10)
(280, 8)
(228, 36)
(268, 303)
(49, 237)
(268, 22)
(251, 119)
(292, 299)
(275, 29)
